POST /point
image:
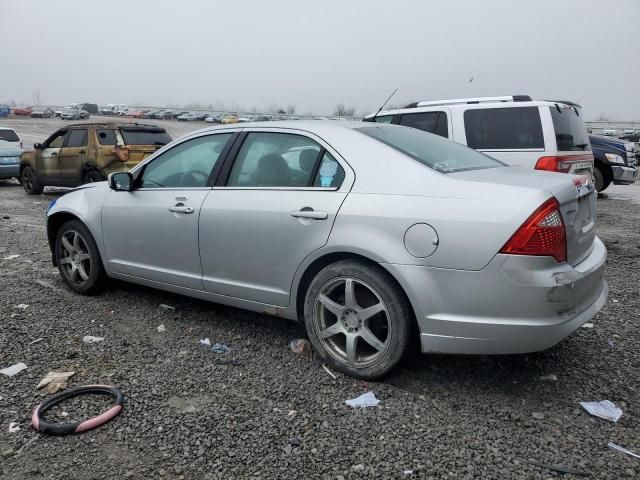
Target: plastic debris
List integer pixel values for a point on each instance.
(407, 472)
(22, 306)
(161, 328)
(603, 409)
(36, 340)
(92, 339)
(551, 378)
(166, 307)
(587, 325)
(614, 300)
(300, 346)
(367, 399)
(221, 348)
(358, 468)
(559, 468)
(55, 381)
(622, 449)
(611, 342)
(329, 372)
(14, 427)
(538, 415)
(13, 369)
(11, 257)
(205, 341)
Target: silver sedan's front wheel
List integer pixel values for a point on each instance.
(78, 258)
(357, 319)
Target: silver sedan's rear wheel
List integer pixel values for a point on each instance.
(357, 319)
(78, 258)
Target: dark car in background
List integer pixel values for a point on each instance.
(42, 112)
(615, 161)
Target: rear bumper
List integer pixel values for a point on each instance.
(9, 170)
(624, 175)
(516, 304)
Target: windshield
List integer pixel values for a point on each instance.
(571, 133)
(145, 136)
(9, 136)
(431, 150)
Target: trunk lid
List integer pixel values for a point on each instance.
(574, 193)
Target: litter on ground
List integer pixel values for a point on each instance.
(603, 409)
(206, 342)
(551, 377)
(13, 369)
(622, 449)
(166, 307)
(367, 399)
(55, 381)
(22, 306)
(92, 339)
(587, 325)
(221, 348)
(329, 372)
(301, 346)
(36, 340)
(161, 328)
(11, 257)
(14, 427)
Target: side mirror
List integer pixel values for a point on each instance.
(121, 181)
(37, 146)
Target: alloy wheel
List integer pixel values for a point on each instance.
(74, 260)
(352, 321)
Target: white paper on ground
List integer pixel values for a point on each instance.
(92, 339)
(55, 377)
(14, 427)
(603, 409)
(13, 369)
(365, 400)
(205, 341)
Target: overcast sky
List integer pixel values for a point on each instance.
(315, 54)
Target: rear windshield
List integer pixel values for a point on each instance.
(144, 136)
(431, 150)
(504, 128)
(9, 136)
(571, 134)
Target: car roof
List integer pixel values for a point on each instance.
(7, 128)
(313, 126)
(111, 125)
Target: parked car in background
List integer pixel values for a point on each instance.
(149, 113)
(541, 135)
(466, 253)
(214, 118)
(23, 111)
(74, 113)
(615, 161)
(608, 132)
(10, 152)
(5, 110)
(88, 152)
(92, 108)
(188, 117)
(41, 112)
(229, 119)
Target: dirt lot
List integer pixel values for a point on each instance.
(278, 415)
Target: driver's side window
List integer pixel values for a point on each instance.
(187, 165)
(57, 141)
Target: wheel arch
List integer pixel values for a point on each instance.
(605, 168)
(54, 222)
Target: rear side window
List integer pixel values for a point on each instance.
(77, 138)
(432, 122)
(570, 131)
(330, 173)
(106, 137)
(380, 119)
(504, 128)
(144, 136)
(9, 136)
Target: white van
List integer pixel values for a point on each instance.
(545, 135)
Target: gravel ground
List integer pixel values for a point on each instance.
(279, 415)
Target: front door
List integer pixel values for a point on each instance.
(48, 158)
(277, 206)
(152, 231)
(73, 155)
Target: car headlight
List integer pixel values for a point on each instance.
(613, 158)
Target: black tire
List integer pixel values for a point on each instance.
(91, 176)
(601, 180)
(30, 182)
(66, 260)
(372, 287)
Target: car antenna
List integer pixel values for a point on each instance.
(385, 102)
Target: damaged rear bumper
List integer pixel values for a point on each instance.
(516, 304)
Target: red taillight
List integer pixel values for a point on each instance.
(561, 163)
(542, 234)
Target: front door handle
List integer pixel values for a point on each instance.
(82, 151)
(54, 154)
(312, 214)
(181, 209)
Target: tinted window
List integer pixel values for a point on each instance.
(433, 151)
(381, 119)
(77, 138)
(187, 165)
(145, 136)
(504, 128)
(274, 160)
(9, 136)
(570, 131)
(330, 173)
(106, 137)
(56, 140)
(432, 122)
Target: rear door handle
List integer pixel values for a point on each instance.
(181, 209)
(312, 214)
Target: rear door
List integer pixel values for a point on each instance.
(275, 203)
(73, 155)
(435, 122)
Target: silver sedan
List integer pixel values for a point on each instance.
(368, 234)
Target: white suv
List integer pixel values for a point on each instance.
(545, 135)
